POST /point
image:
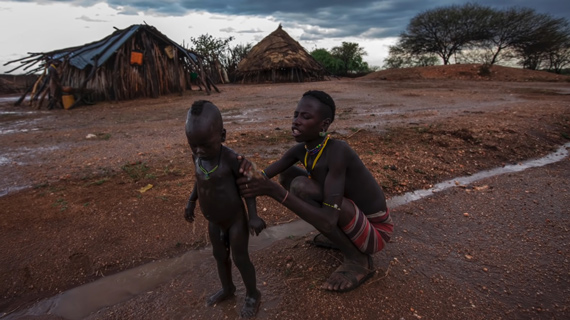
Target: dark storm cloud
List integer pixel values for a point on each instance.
(324, 19)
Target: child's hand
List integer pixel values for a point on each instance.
(256, 224)
(189, 212)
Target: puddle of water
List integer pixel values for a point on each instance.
(9, 131)
(79, 302)
(12, 99)
(8, 190)
(4, 160)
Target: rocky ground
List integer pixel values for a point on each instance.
(74, 209)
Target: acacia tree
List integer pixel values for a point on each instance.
(541, 36)
(504, 29)
(560, 58)
(445, 31)
(399, 58)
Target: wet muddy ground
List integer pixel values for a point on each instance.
(80, 216)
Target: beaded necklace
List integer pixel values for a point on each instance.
(316, 149)
(206, 172)
(317, 158)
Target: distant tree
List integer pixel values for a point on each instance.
(504, 28)
(350, 54)
(332, 64)
(560, 58)
(445, 31)
(214, 51)
(233, 57)
(541, 36)
(399, 58)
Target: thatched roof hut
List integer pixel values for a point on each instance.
(138, 61)
(279, 58)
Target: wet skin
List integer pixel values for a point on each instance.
(220, 202)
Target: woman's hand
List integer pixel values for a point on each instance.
(254, 186)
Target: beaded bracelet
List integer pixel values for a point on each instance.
(335, 206)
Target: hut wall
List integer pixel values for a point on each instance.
(118, 79)
(282, 75)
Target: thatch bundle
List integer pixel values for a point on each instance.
(279, 58)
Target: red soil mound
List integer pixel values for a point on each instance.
(466, 72)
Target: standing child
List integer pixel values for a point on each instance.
(217, 168)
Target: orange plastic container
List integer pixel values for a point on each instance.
(136, 58)
(68, 100)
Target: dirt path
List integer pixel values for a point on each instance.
(82, 216)
(498, 250)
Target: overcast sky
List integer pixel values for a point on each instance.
(40, 26)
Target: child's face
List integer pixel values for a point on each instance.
(307, 120)
(205, 143)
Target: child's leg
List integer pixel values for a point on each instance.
(221, 250)
(239, 237)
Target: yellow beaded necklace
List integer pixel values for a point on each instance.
(317, 158)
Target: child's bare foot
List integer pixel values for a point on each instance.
(251, 305)
(220, 296)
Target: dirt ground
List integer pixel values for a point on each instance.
(74, 210)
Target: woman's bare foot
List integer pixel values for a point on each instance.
(350, 275)
(251, 305)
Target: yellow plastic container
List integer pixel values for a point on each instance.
(68, 100)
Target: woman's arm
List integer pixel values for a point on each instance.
(289, 158)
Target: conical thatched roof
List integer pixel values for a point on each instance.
(279, 58)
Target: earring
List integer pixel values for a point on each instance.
(322, 133)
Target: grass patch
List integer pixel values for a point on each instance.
(136, 171)
(99, 182)
(40, 185)
(104, 136)
(172, 171)
(61, 203)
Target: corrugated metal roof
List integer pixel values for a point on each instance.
(100, 51)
